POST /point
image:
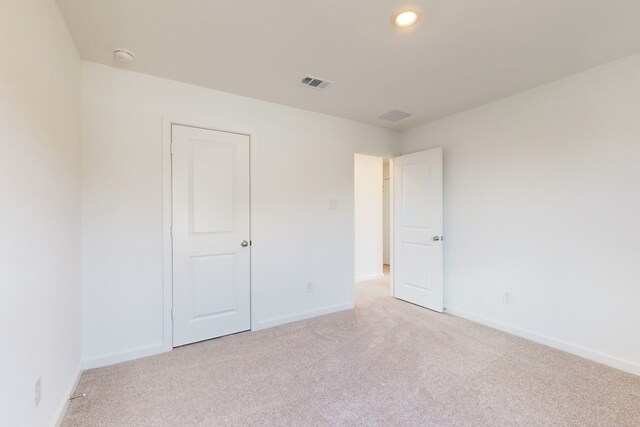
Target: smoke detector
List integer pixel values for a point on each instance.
(394, 115)
(314, 82)
(123, 56)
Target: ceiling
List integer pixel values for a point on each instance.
(462, 53)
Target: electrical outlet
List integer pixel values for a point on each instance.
(507, 298)
(310, 287)
(333, 204)
(38, 391)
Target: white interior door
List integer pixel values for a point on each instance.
(417, 228)
(211, 243)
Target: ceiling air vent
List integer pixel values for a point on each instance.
(394, 115)
(314, 82)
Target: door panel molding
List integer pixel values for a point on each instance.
(211, 217)
(167, 121)
(417, 228)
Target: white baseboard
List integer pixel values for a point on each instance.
(65, 405)
(614, 362)
(264, 324)
(159, 348)
(369, 277)
(125, 356)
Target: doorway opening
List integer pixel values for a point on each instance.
(414, 220)
(372, 223)
(386, 215)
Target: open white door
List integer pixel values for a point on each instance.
(211, 243)
(417, 228)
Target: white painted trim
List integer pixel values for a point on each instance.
(367, 277)
(65, 405)
(614, 362)
(125, 356)
(350, 203)
(167, 242)
(392, 283)
(276, 321)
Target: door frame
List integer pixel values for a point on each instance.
(167, 216)
(352, 223)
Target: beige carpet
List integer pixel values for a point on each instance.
(385, 363)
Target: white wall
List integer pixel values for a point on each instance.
(542, 199)
(300, 161)
(39, 211)
(368, 216)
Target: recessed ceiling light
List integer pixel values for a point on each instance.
(406, 18)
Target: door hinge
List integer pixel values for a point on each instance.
(171, 148)
(172, 314)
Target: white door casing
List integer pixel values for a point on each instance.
(386, 221)
(418, 228)
(211, 222)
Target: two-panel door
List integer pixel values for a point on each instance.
(211, 234)
(418, 224)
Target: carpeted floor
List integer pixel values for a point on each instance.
(385, 363)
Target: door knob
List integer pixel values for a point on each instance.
(436, 238)
(244, 244)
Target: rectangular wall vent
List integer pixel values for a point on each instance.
(394, 115)
(314, 82)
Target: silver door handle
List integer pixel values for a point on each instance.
(436, 238)
(244, 244)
